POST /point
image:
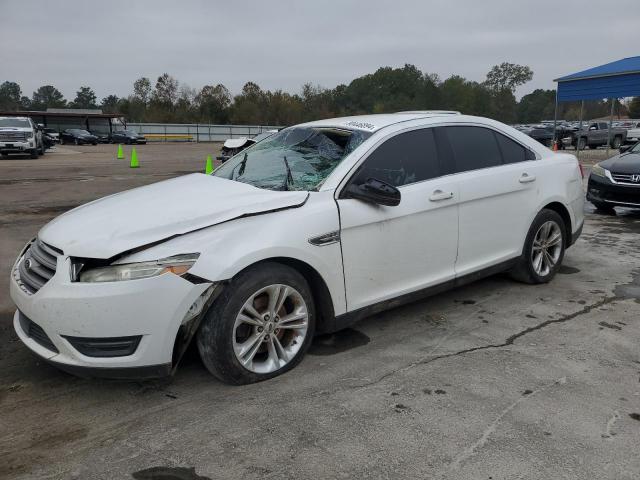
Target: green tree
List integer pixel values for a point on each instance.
(109, 104)
(508, 76)
(166, 91)
(10, 96)
(142, 89)
(213, 103)
(85, 98)
(47, 96)
(536, 106)
(249, 106)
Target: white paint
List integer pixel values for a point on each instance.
(384, 251)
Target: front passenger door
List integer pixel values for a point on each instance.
(391, 251)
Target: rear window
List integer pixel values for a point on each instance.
(513, 152)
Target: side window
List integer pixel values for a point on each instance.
(513, 152)
(603, 126)
(406, 158)
(473, 148)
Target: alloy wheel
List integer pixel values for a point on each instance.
(270, 328)
(547, 248)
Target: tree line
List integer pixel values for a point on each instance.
(386, 90)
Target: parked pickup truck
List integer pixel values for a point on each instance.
(20, 135)
(633, 134)
(597, 134)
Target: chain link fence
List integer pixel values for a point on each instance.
(196, 132)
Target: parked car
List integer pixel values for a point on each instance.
(233, 146)
(305, 232)
(20, 135)
(633, 132)
(616, 182)
(597, 134)
(78, 137)
(128, 137)
(102, 137)
(52, 133)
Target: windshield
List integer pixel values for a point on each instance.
(297, 158)
(636, 148)
(14, 122)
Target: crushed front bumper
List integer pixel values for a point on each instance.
(68, 316)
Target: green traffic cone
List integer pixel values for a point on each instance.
(120, 152)
(209, 168)
(134, 159)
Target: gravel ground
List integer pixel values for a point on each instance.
(495, 380)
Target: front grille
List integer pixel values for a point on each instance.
(13, 136)
(36, 333)
(37, 266)
(626, 178)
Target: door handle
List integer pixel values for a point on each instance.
(526, 178)
(439, 195)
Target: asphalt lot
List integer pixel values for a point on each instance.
(495, 380)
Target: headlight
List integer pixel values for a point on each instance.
(178, 265)
(599, 171)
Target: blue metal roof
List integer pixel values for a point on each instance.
(626, 65)
(612, 80)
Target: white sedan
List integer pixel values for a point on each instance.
(305, 232)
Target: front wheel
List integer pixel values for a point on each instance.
(259, 327)
(33, 153)
(543, 249)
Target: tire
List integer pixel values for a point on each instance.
(617, 141)
(222, 332)
(582, 143)
(4, 155)
(527, 270)
(592, 147)
(33, 153)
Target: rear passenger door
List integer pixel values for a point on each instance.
(497, 182)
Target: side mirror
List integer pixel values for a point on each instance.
(625, 148)
(375, 191)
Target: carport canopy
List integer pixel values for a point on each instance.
(612, 80)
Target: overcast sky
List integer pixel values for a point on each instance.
(283, 44)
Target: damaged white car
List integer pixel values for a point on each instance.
(305, 232)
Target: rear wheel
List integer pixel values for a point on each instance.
(582, 143)
(259, 327)
(543, 249)
(616, 142)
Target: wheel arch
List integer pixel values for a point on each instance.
(563, 211)
(325, 312)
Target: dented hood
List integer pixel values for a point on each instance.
(138, 217)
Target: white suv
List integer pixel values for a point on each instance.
(20, 135)
(307, 231)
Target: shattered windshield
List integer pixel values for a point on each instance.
(297, 158)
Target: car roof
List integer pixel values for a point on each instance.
(373, 123)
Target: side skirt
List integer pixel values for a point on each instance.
(347, 319)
